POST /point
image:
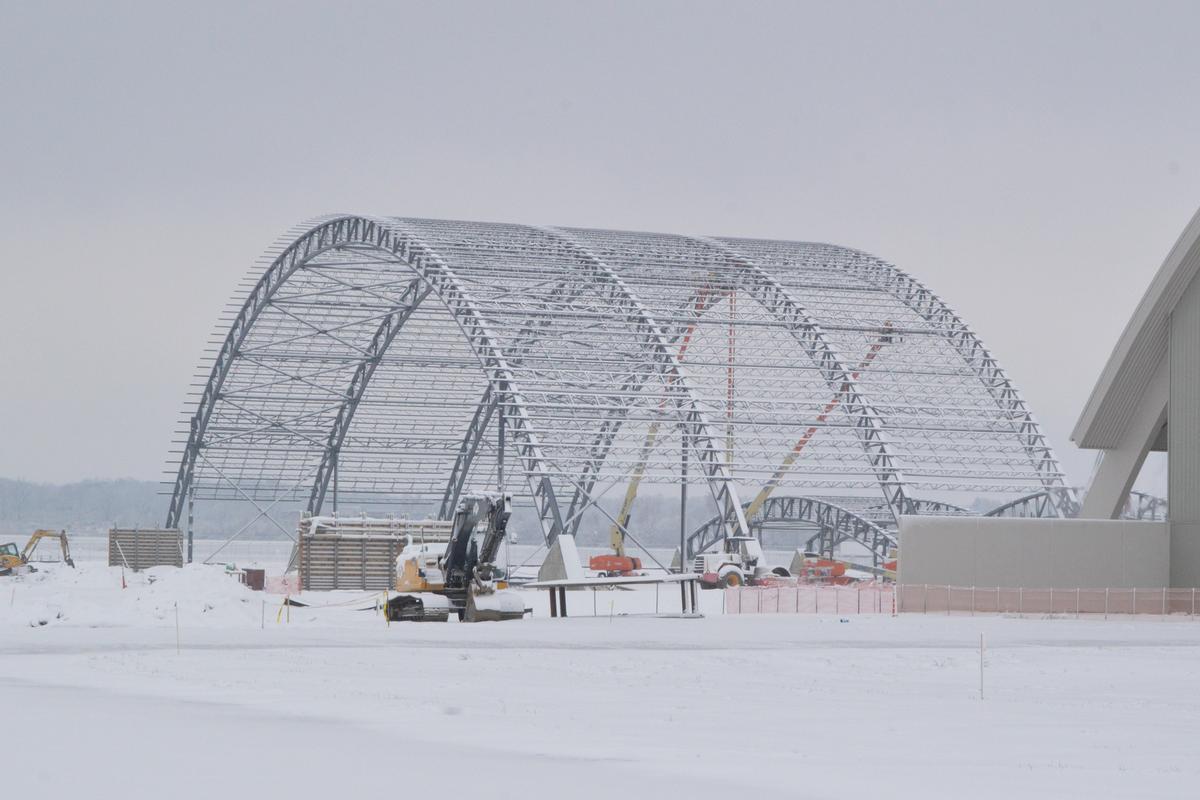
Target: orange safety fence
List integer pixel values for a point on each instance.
(809, 599)
(931, 599)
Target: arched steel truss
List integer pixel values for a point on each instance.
(832, 520)
(1139, 505)
(404, 360)
(833, 524)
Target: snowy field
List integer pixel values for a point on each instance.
(98, 701)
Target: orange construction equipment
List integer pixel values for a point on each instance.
(615, 566)
(822, 570)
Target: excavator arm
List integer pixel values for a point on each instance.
(38, 536)
(463, 554)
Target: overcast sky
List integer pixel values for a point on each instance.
(1031, 163)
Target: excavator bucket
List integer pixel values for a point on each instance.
(418, 607)
(494, 607)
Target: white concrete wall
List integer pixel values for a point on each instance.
(1033, 553)
(1183, 439)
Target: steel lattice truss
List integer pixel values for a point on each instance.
(405, 360)
(1138, 505)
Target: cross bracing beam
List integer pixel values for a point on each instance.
(384, 236)
(491, 400)
(412, 297)
(953, 330)
(814, 342)
(663, 360)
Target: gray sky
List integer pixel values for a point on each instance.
(1030, 162)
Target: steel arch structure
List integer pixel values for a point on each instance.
(833, 520)
(1138, 505)
(400, 360)
(833, 523)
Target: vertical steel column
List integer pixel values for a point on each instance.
(684, 561)
(191, 520)
(500, 445)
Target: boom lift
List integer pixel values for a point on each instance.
(619, 563)
(885, 337)
(13, 561)
(464, 579)
(740, 560)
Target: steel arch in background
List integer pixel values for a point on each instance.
(774, 297)
(1139, 505)
(409, 300)
(1145, 506)
(321, 235)
(933, 309)
(653, 338)
(375, 358)
(384, 236)
(834, 523)
(924, 507)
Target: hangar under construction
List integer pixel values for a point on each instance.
(391, 360)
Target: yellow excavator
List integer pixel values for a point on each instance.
(15, 561)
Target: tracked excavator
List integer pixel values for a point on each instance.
(464, 579)
(13, 561)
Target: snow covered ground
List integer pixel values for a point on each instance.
(98, 702)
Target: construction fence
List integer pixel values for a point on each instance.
(929, 599)
(810, 599)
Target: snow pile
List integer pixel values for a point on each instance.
(92, 596)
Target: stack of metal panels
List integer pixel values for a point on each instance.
(420, 530)
(332, 561)
(359, 552)
(141, 548)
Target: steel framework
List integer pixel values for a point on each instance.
(1138, 505)
(372, 360)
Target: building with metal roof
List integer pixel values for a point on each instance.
(1148, 399)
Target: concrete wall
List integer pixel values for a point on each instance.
(1033, 553)
(1183, 439)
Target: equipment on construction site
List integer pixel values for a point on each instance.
(12, 561)
(705, 300)
(890, 566)
(464, 578)
(610, 566)
(810, 567)
(739, 562)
